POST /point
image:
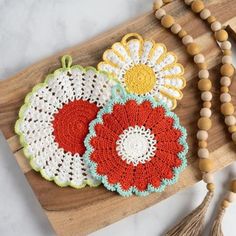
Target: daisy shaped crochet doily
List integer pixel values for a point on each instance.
(144, 67)
(136, 145)
(54, 120)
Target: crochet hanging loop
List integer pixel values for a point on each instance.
(66, 61)
(129, 36)
(193, 223)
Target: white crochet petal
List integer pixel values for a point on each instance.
(172, 71)
(109, 69)
(121, 50)
(169, 102)
(156, 53)
(113, 58)
(165, 61)
(147, 47)
(174, 82)
(134, 47)
(172, 92)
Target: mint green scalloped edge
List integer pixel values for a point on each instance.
(25, 106)
(117, 187)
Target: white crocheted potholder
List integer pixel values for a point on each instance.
(54, 120)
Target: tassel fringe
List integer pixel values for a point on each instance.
(193, 223)
(216, 228)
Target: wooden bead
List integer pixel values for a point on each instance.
(202, 144)
(227, 59)
(230, 196)
(230, 120)
(197, 6)
(204, 123)
(167, 21)
(225, 81)
(227, 52)
(160, 13)
(205, 13)
(206, 96)
(157, 4)
(211, 187)
(188, 2)
(199, 58)
(211, 19)
(233, 186)
(225, 97)
(232, 129)
(225, 204)
(221, 35)
(203, 74)
(224, 89)
(226, 45)
(233, 136)
(203, 153)
(208, 178)
(204, 85)
(205, 165)
(227, 109)
(205, 112)
(187, 39)
(216, 26)
(207, 104)
(202, 135)
(182, 33)
(193, 49)
(227, 70)
(202, 66)
(175, 28)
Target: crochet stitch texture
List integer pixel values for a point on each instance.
(54, 121)
(135, 145)
(144, 67)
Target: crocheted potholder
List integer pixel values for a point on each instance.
(136, 145)
(144, 67)
(54, 121)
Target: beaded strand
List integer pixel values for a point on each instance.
(204, 85)
(227, 69)
(204, 122)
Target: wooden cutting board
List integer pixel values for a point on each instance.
(78, 212)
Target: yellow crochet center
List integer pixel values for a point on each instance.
(140, 79)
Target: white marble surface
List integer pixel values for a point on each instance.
(31, 30)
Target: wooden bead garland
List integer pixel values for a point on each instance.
(204, 83)
(226, 70)
(204, 122)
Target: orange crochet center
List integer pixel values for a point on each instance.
(71, 125)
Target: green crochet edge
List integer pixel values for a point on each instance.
(122, 99)
(66, 62)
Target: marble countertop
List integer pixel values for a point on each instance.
(32, 30)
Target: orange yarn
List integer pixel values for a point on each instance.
(71, 125)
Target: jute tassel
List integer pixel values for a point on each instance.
(193, 223)
(216, 228)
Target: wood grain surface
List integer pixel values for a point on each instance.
(78, 212)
